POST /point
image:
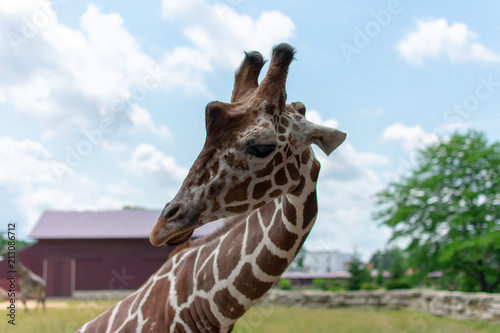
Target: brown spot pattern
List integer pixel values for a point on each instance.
(205, 277)
(234, 163)
(249, 285)
(206, 251)
(310, 209)
(206, 321)
(205, 178)
(275, 193)
(298, 190)
(102, 323)
(228, 305)
(255, 234)
(271, 264)
(229, 255)
(239, 192)
(267, 211)
(280, 177)
(290, 212)
(215, 206)
(186, 284)
(297, 157)
(306, 155)
(278, 159)
(191, 320)
(281, 237)
(171, 311)
(266, 171)
(258, 205)
(293, 171)
(284, 122)
(131, 326)
(315, 170)
(260, 189)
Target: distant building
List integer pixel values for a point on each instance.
(310, 265)
(83, 253)
(321, 262)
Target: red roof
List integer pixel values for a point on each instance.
(104, 224)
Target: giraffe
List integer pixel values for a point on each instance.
(258, 170)
(31, 285)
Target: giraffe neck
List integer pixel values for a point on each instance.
(249, 259)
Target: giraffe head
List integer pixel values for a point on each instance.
(256, 150)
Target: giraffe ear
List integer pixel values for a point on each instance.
(326, 138)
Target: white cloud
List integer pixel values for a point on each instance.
(409, 138)
(221, 34)
(186, 68)
(147, 162)
(141, 119)
(435, 38)
(314, 117)
(30, 179)
(24, 162)
(346, 188)
(114, 147)
(68, 79)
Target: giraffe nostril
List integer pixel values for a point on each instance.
(171, 212)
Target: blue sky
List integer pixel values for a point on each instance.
(102, 104)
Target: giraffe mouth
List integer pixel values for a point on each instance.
(180, 238)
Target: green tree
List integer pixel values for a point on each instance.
(359, 273)
(4, 242)
(133, 207)
(300, 258)
(379, 279)
(397, 270)
(448, 208)
(385, 258)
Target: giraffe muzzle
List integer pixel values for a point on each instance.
(172, 227)
(170, 212)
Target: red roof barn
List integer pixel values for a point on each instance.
(82, 253)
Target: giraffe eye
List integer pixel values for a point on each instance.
(260, 151)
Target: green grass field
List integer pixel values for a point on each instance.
(67, 316)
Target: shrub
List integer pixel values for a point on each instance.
(398, 284)
(329, 284)
(368, 286)
(285, 284)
